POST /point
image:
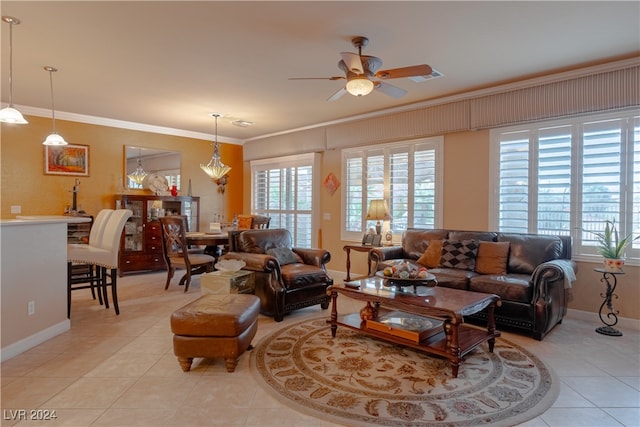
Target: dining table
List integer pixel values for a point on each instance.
(212, 241)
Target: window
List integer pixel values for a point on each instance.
(406, 174)
(284, 189)
(569, 176)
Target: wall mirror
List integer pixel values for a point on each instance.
(153, 161)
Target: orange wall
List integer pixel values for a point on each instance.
(24, 183)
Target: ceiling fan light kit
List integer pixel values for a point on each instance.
(359, 86)
(362, 75)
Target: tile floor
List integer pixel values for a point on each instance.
(113, 370)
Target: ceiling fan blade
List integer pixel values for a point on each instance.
(396, 73)
(389, 89)
(318, 78)
(353, 62)
(338, 94)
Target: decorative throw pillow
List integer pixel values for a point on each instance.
(492, 258)
(460, 254)
(431, 256)
(245, 222)
(284, 255)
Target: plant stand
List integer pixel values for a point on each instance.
(609, 278)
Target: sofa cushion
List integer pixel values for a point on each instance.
(296, 276)
(284, 255)
(431, 256)
(515, 287)
(492, 258)
(527, 251)
(415, 241)
(488, 236)
(259, 241)
(453, 278)
(459, 254)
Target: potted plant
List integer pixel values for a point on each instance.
(611, 246)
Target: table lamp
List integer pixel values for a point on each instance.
(379, 210)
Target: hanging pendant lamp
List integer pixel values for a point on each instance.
(215, 168)
(10, 114)
(139, 175)
(54, 138)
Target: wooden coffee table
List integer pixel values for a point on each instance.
(450, 305)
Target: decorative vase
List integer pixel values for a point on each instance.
(368, 312)
(613, 265)
(174, 191)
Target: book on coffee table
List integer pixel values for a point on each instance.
(406, 325)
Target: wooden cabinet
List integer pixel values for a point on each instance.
(141, 244)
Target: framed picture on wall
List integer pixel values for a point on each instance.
(66, 160)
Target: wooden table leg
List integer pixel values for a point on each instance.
(453, 346)
(348, 279)
(334, 313)
(491, 326)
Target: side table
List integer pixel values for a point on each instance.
(357, 248)
(227, 282)
(609, 278)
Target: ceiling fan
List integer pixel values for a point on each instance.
(362, 74)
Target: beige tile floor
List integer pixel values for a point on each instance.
(113, 370)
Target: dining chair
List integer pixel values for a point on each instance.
(260, 222)
(176, 251)
(101, 255)
(85, 273)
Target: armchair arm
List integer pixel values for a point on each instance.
(255, 262)
(313, 256)
(379, 254)
(555, 273)
(551, 293)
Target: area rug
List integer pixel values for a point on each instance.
(355, 380)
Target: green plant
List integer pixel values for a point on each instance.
(609, 243)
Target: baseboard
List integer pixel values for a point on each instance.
(588, 316)
(31, 341)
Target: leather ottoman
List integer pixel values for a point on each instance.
(215, 326)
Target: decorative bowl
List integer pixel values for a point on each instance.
(230, 265)
(429, 281)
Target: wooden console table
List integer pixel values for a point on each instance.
(357, 248)
(456, 339)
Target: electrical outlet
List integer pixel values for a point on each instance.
(31, 308)
(17, 209)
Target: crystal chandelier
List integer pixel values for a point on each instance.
(139, 174)
(215, 168)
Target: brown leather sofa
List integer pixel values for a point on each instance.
(286, 278)
(533, 282)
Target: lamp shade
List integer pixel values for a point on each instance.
(54, 139)
(11, 115)
(379, 210)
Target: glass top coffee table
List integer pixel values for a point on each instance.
(450, 305)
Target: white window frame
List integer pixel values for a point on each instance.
(436, 143)
(628, 217)
(309, 159)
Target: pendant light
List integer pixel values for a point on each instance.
(139, 175)
(215, 168)
(54, 138)
(10, 114)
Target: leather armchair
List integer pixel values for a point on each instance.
(286, 278)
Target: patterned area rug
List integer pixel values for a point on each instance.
(356, 380)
